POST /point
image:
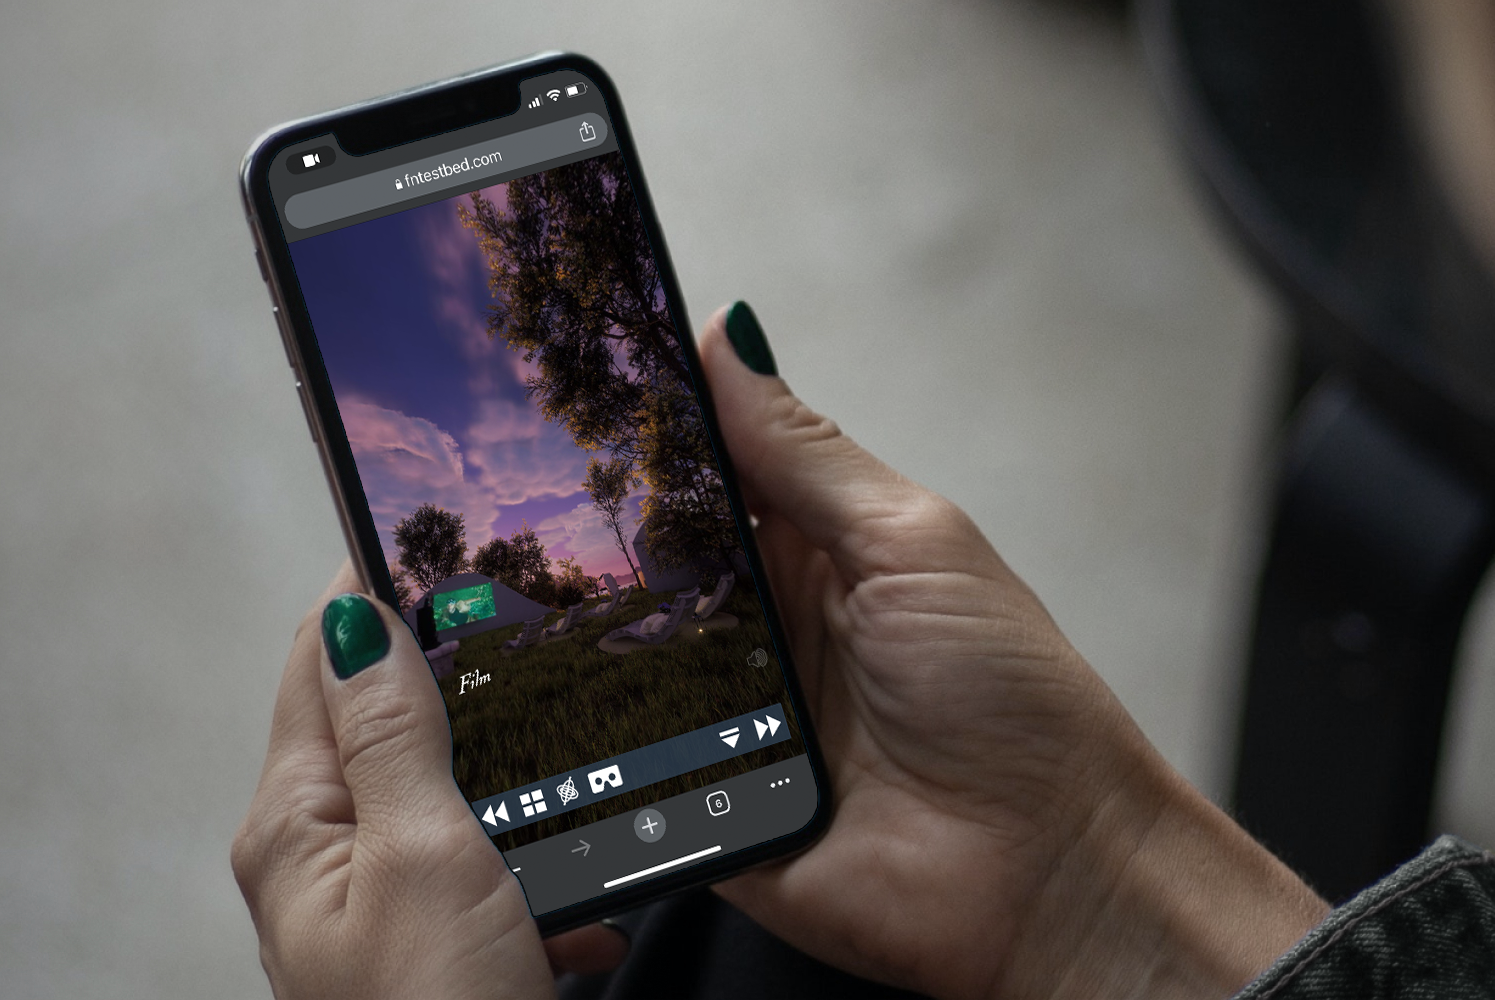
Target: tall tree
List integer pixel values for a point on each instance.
(608, 484)
(577, 291)
(432, 544)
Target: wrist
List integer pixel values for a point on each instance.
(1162, 896)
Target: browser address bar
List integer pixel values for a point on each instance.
(457, 168)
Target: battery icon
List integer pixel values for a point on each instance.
(576, 90)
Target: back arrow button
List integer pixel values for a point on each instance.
(585, 849)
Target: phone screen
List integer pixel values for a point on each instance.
(491, 315)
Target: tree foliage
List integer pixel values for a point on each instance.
(403, 596)
(432, 544)
(577, 291)
(520, 563)
(571, 583)
(609, 483)
(686, 515)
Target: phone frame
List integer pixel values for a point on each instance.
(420, 113)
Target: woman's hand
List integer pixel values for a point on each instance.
(1002, 827)
(365, 871)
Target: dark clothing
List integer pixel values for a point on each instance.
(1426, 931)
(696, 947)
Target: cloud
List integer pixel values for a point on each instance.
(580, 532)
(460, 270)
(501, 456)
(517, 456)
(406, 461)
(511, 457)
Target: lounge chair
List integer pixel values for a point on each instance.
(532, 633)
(706, 606)
(440, 658)
(608, 607)
(684, 604)
(572, 614)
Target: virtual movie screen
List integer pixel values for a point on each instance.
(526, 430)
(464, 606)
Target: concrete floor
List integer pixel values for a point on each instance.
(963, 226)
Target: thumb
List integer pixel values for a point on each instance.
(387, 715)
(429, 898)
(796, 464)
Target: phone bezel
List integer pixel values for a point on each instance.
(387, 122)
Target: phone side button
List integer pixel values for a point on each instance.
(311, 423)
(259, 259)
(285, 334)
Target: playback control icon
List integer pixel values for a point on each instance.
(767, 726)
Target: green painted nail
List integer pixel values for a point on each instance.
(748, 340)
(354, 634)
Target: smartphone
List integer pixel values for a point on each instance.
(494, 358)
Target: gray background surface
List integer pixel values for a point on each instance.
(963, 225)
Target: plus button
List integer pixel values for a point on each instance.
(649, 825)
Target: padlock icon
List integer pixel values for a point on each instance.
(588, 133)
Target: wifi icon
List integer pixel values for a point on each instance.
(554, 95)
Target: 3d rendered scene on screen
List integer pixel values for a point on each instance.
(543, 484)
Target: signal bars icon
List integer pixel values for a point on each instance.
(536, 102)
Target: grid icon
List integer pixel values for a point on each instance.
(533, 802)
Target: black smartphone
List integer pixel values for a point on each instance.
(496, 366)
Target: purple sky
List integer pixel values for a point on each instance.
(434, 410)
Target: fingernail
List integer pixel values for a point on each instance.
(748, 340)
(618, 928)
(354, 634)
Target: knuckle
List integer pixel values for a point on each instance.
(309, 630)
(260, 840)
(797, 418)
(281, 826)
(244, 857)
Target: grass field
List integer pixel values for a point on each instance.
(564, 703)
